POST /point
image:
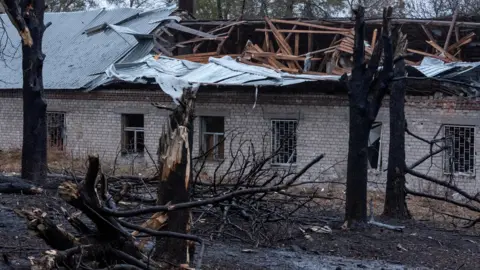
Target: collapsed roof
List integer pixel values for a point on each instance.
(86, 50)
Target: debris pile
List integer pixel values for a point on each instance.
(310, 47)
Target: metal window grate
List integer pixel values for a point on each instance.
(460, 157)
(284, 142)
(56, 130)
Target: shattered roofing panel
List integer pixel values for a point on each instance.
(462, 71)
(173, 75)
(211, 73)
(433, 70)
(73, 56)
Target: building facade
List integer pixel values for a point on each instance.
(122, 126)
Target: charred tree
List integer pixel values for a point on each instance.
(175, 173)
(366, 89)
(27, 17)
(395, 204)
(219, 10)
(10, 185)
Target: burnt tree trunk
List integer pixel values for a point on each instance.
(175, 173)
(219, 10)
(34, 150)
(366, 89)
(395, 205)
(27, 17)
(357, 165)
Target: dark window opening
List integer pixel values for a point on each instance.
(460, 157)
(374, 147)
(213, 137)
(56, 130)
(133, 140)
(284, 142)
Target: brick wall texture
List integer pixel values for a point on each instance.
(93, 125)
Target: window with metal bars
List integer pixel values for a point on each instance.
(133, 133)
(284, 142)
(56, 130)
(460, 156)
(212, 131)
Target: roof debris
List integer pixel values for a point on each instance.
(174, 75)
(159, 46)
(310, 47)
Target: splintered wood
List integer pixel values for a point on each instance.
(314, 47)
(288, 46)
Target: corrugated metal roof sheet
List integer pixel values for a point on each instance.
(73, 57)
(173, 75)
(462, 71)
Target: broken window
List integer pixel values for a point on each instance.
(460, 157)
(212, 137)
(284, 142)
(56, 130)
(133, 133)
(374, 146)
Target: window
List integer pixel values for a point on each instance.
(284, 142)
(374, 146)
(460, 157)
(133, 136)
(212, 137)
(55, 130)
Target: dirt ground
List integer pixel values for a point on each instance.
(432, 240)
(422, 245)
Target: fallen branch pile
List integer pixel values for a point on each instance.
(113, 241)
(260, 218)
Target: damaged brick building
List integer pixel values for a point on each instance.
(258, 80)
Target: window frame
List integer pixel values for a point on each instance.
(449, 152)
(135, 131)
(216, 135)
(63, 131)
(273, 142)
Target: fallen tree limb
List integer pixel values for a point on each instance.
(14, 185)
(169, 234)
(164, 208)
(44, 228)
(471, 224)
(443, 199)
(444, 184)
(424, 158)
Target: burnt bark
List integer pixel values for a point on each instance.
(10, 185)
(395, 204)
(175, 173)
(366, 89)
(219, 10)
(27, 17)
(34, 150)
(357, 165)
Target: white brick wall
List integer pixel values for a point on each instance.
(95, 126)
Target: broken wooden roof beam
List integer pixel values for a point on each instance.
(185, 29)
(282, 43)
(310, 25)
(303, 31)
